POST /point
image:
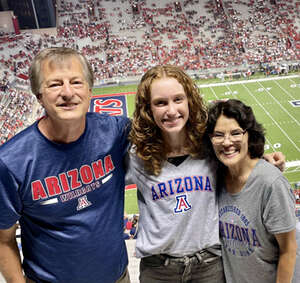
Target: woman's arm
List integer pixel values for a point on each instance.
(287, 256)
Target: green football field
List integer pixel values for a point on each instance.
(275, 102)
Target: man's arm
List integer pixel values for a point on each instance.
(277, 159)
(10, 261)
(287, 256)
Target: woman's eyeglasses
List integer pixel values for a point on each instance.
(235, 136)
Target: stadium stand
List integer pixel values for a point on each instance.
(122, 39)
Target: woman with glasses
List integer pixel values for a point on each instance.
(256, 204)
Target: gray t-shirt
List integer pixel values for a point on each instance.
(248, 222)
(178, 208)
(296, 278)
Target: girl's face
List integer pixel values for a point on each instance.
(169, 105)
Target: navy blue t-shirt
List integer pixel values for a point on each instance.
(69, 200)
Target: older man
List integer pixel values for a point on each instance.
(62, 178)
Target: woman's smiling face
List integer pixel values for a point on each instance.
(169, 105)
(233, 150)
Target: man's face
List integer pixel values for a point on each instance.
(65, 93)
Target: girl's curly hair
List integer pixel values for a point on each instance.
(146, 135)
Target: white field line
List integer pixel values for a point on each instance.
(293, 81)
(231, 91)
(288, 171)
(247, 81)
(271, 117)
(284, 90)
(272, 146)
(292, 164)
(287, 112)
(213, 92)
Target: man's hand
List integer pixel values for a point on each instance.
(277, 159)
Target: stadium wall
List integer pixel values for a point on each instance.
(6, 23)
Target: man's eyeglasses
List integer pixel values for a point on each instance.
(235, 136)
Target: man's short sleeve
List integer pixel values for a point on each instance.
(10, 201)
(124, 124)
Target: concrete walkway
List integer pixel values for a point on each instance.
(133, 263)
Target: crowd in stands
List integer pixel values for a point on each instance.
(15, 107)
(123, 39)
(130, 226)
